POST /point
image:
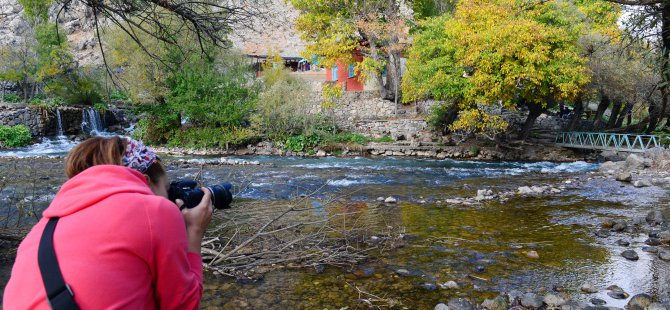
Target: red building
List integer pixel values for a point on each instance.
(346, 76)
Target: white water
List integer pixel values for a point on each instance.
(60, 145)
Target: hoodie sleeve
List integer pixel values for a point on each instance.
(177, 273)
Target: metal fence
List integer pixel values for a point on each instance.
(608, 141)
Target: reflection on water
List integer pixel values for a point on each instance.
(483, 247)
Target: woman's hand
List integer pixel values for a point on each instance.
(197, 219)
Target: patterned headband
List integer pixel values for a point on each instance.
(138, 156)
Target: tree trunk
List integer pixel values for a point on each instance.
(602, 107)
(656, 111)
(577, 114)
(534, 111)
(614, 113)
(626, 113)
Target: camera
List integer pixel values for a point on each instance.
(189, 192)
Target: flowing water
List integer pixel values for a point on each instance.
(482, 247)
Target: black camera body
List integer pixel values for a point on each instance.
(189, 192)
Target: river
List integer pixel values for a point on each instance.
(482, 247)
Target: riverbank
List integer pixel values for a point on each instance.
(519, 152)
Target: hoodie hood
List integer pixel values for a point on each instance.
(94, 185)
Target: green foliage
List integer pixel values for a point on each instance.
(332, 92)
(300, 143)
(81, 87)
(212, 137)
(283, 107)
(13, 98)
(119, 95)
(441, 116)
(15, 136)
(36, 11)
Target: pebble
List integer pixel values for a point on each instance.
(390, 199)
(498, 303)
(429, 286)
(650, 249)
(531, 300)
(449, 285)
(459, 304)
(603, 233)
(553, 300)
(622, 242)
(616, 292)
(652, 241)
(630, 255)
(380, 199)
(441, 306)
(588, 288)
(664, 255)
(597, 301)
(532, 254)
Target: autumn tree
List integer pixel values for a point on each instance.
(378, 29)
(502, 53)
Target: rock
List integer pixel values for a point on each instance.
(620, 226)
(480, 268)
(622, 242)
(597, 301)
(321, 153)
(450, 285)
(607, 223)
(525, 190)
(390, 199)
(603, 233)
(588, 288)
(652, 241)
(498, 303)
(403, 272)
(459, 304)
(642, 183)
(624, 177)
(658, 306)
(650, 249)
(553, 300)
(664, 255)
(634, 162)
(441, 306)
(609, 165)
(429, 286)
(617, 292)
(532, 254)
(531, 300)
(664, 236)
(573, 305)
(641, 301)
(630, 255)
(380, 199)
(655, 218)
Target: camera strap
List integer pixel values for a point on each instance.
(59, 294)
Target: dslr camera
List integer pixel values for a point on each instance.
(191, 194)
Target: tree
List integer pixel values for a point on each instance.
(502, 52)
(335, 29)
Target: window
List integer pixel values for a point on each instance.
(352, 72)
(334, 73)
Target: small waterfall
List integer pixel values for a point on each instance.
(60, 123)
(91, 122)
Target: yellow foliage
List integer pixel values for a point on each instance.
(475, 121)
(331, 94)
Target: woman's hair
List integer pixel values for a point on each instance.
(103, 151)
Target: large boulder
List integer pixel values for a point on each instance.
(624, 176)
(655, 218)
(639, 302)
(634, 162)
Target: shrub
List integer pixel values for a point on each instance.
(213, 137)
(13, 98)
(15, 136)
(81, 86)
(302, 142)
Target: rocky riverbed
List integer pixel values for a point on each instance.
(474, 234)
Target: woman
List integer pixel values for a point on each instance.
(119, 242)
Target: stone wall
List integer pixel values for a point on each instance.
(356, 106)
(44, 121)
(398, 129)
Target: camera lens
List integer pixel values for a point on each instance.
(221, 195)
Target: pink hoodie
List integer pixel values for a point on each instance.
(118, 245)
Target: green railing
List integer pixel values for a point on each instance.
(608, 141)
